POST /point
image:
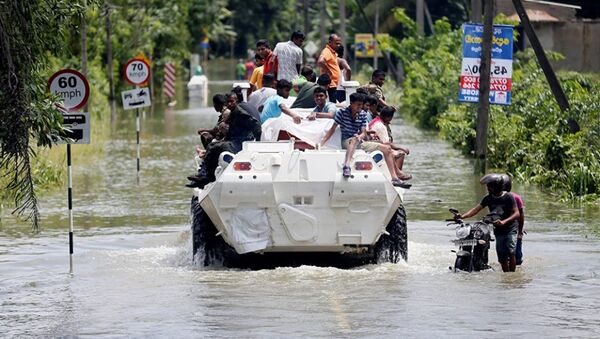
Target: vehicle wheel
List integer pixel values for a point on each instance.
(206, 247)
(392, 247)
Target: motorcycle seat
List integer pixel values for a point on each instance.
(465, 254)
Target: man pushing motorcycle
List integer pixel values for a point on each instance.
(505, 230)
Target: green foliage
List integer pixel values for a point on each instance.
(431, 64)
(28, 30)
(529, 138)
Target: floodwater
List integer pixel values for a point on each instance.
(134, 276)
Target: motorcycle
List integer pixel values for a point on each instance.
(473, 242)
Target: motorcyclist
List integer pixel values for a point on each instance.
(505, 230)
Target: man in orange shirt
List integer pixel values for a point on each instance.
(329, 64)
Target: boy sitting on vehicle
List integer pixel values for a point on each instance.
(379, 129)
(502, 203)
(274, 105)
(353, 125)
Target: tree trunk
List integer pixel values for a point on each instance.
(109, 64)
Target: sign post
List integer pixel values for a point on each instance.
(136, 72)
(501, 66)
(74, 89)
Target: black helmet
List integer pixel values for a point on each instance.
(507, 182)
(494, 182)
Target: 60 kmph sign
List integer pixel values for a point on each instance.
(72, 87)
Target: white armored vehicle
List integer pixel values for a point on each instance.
(275, 205)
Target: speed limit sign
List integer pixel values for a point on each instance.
(136, 71)
(71, 86)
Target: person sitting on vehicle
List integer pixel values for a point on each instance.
(243, 126)
(218, 132)
(374, 86)
(503, 204)
(306, 75)
(353, 125)
(305, 98)
(325, 109)
(521, 207)
(379, 129)
(257, 98)
(274, 105)
(371, 105)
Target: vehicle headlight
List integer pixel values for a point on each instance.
(463, 232)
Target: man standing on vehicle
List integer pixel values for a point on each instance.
(288, 57)
(264, 50)
(328, 63)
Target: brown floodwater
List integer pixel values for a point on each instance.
(134, 276)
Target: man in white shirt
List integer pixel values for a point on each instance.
(258, 97)
(288, 57)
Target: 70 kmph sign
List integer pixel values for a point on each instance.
(72, 87)
(136, 71)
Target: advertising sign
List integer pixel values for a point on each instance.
(501, 65)
(364, 45)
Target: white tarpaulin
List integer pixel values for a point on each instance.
(309, 131)
(249, 229)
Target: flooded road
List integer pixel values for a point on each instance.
(134, 276)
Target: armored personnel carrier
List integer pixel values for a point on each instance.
(273, 204)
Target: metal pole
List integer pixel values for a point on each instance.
(70, 204)
(137, 129)
(376, 29)
(484, 89)
(559, 94)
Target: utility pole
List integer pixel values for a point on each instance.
(322, 23)
(476, 10)
(557, 90)
(343, 25)
(483, 109)
(420, 18)
(109, 64)
(376, 32)
(305, 6)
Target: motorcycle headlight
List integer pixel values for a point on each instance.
(463, 232)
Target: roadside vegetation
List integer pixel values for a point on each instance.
(528, 139)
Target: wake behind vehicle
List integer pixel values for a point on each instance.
(473, 242)
(275, 205)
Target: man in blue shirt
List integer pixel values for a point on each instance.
(274, 105)
(325, 109)
(353, 125)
